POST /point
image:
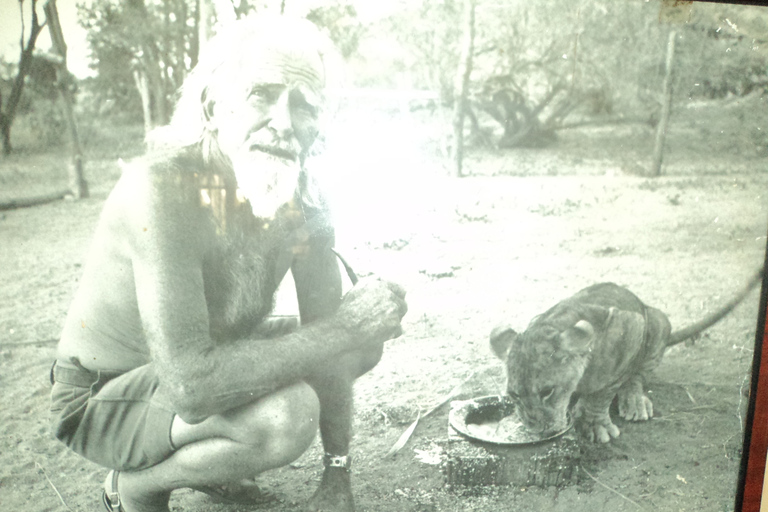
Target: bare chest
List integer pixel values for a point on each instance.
(240, 276)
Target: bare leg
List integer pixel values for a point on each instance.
(231, 447)
(334, 390)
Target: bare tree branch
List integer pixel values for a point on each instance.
(25, 62)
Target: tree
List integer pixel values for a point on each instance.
(462, 85)
(542, 65)
(8, 112)
(427, 33)
(661, 129)
(143, 48)
(339, 20)
(537, 66)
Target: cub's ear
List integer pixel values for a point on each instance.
(502, 338)
(578, 339)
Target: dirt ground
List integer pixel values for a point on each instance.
(524, 230)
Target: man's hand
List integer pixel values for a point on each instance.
(372, 310)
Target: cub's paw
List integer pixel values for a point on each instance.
(634, 405)
(596, 427)
(600, 432)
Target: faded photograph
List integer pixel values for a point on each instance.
(337, 255)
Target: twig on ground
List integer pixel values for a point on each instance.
(612, 490)
(725, 446)
(405, 436)
(38, 466)
(699, 408)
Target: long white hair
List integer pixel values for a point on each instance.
(223, 67)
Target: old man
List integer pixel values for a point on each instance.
(169, 371)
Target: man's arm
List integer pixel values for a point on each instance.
(316, 274)
(168, 242)
(318, 285)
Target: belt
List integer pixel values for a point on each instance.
(79, 375)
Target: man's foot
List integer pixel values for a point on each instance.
(120, 501)
(334, 493)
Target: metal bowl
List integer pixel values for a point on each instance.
(480, 418)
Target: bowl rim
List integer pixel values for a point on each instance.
(460, 409)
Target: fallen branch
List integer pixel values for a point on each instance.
(603, 122)
(26, 202)
(28, 343)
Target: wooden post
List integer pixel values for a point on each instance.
(666, 107)
(462, 85)
(77, 184)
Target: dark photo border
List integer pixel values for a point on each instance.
(755, 448)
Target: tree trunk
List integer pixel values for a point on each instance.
(462, 85)
(77, 184)
(194, 42)
(666, 107)
(180, 67)
(157, 89)
(152, 63)
(205, 27)
(25, 61)
(140, 79)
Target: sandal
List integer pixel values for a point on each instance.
(235, 494)
(111, 500)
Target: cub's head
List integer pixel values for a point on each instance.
(544, 365)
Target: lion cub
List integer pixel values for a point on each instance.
(599, 343)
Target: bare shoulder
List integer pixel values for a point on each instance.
(155, 199)
(146, 204)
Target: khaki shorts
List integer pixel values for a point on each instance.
(112, 419)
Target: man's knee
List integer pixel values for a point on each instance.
(372, 358)
(282, 424)
(346, 368)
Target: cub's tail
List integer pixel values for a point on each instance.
(708, 321)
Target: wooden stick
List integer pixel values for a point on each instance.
(37, 464)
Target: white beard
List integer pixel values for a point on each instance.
(267, 181)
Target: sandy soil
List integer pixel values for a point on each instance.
(525, 229)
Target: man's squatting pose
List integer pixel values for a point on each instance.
(168, 371)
